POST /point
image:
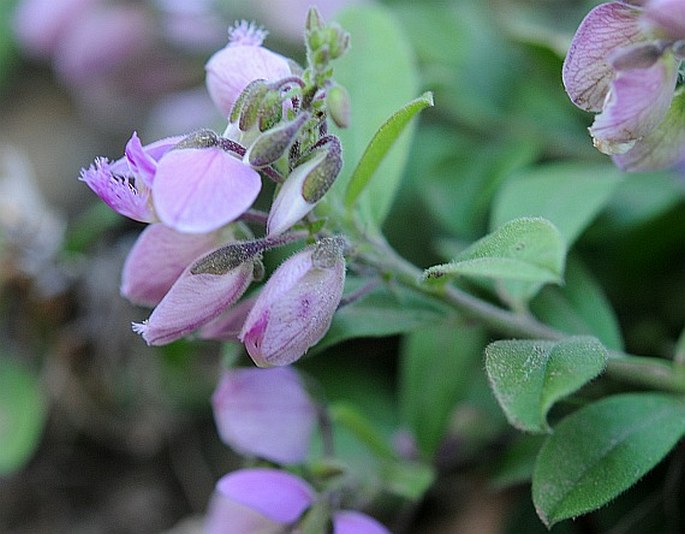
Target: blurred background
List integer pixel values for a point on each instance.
(107, 435)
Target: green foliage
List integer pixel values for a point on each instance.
(379, 146)
(579, 306)
(526, 249)
(603, 449)
(570, 195)
(529, 376)
(385, 311)
(379, 73)
(437, 367)
(22, 416)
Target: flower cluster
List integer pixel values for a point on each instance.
(198, 256)
(624, 62)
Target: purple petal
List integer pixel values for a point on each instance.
(667, 16)
(637, 103)
(663, 147)
(194, 300)
(231, 69)
(227, 326)
(40, 25)
(586, 73)
(277, 495)
(157, 259)
(201, 189)
(103, 40)
(294, 310)
(119, 191)
(265, 413)
(142, 164)
(351, 522)
(226, 516)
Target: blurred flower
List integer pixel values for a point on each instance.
(257, 500)
(351, 522)
(269, 501)
(265, 413)
(295, 307)
(31, 231)
(190, 184)
(623, 62)
(40, 25)
(242, 61)
(286, 17)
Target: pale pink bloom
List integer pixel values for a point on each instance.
(295, 307)
(265, 413)
(242, 61)
(623, 63)
(40, 25)
(157, 259)
(205, 289)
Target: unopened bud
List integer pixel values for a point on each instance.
(319, 180)
(338, 103)
(271, 145)
(295, 307)
(199, 139)
(305, 186)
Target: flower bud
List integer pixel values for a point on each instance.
(265, 413)
(305, 186)
(262, 500)
(242, 61)
(203, 291)
(295, 307)
(352, 522)
(338, 103)
(271, 145)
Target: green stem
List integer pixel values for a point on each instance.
(638, 370)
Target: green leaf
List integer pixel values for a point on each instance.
(386, 311)
(529, 376)
(601, 450)
(379, 146)
(427, 358)
(579, 307)
(407, 480)
(569, 195)
(22, 416)
(527, 249)
(517, 462)
(380, 75)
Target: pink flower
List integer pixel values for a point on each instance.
(269, 501)
(205, 289)
(257, 500)
(191, 184)
(295, 307)
(242, 61)
(157, 259)
(623, 63)
(41, 25)
(265, 413)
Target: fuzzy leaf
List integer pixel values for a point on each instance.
(601, 450)
(526, 249)
(382, 142)
(379, 55)
(529, 376)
